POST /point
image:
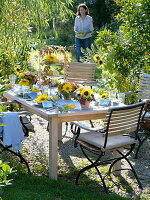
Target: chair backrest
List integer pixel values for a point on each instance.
(123, 120)
(80, 72)
(144, 88)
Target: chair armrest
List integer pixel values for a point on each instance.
(77, 126)
(84, 126)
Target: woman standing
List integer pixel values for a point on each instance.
(83, 28)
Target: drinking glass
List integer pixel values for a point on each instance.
(52, 91)
(45, 89)
(121, 98)
(112, 96)
(25, 90)
(12, 79)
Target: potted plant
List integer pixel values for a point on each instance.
(84, 95)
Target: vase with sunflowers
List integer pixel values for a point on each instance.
(84, 95)
(66, 89)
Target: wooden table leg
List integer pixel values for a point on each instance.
(59, 131)
(53, 148)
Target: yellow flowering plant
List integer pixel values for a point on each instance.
(42, 97)
(98, 59)
(67, 89)
(84, 94)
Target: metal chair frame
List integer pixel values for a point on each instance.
(26, 131)
(144, 95)
(107, 132)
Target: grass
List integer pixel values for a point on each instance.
(30, 187)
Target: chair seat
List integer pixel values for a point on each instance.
(147, 116)
(97, 139)
(27, 123)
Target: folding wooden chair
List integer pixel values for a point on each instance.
(144, 95)
(80, 73)
(25, 119)
(120, 122)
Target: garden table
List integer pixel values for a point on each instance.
(55, 119)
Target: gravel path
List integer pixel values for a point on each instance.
(70, 158)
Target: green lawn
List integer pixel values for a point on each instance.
(29, 187)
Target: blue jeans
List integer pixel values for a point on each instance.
(82, 43)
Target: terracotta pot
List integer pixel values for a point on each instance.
(146, 124)
(86, 105)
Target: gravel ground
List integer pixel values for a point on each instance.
(71, 159)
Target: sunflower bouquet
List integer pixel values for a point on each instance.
(27, 79)
(66, 89)
(84, 94)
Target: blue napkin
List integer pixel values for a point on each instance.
(47, 104)
(104, 102)
(32, 95)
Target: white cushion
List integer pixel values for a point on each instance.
(147, 115)
(97, 139)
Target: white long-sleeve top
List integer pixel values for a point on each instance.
(83, 25)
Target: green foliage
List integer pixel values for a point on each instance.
(19, 20)
(5, 170)
(125, 52)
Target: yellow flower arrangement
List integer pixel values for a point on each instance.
(24, 82)
(67, 88)
(42, 97)
(84, 94)
(27, 78)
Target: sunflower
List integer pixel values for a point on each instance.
(50, 58)
(96, 57)
(43, 97)
(100, 62)
(86, 93)
(80, 89)
(24, 82)
(67, 88)
(29, 77)
(104, 96)
(17, 69)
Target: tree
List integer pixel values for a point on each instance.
(125, 53)
(18, 19)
